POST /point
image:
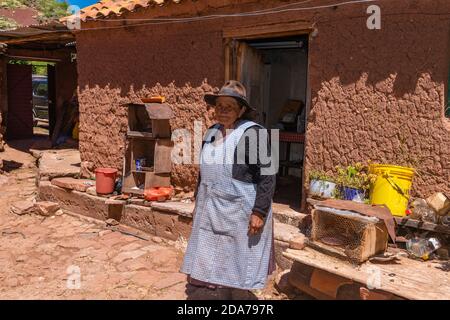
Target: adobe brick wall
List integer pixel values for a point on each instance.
(379, 95)
(123, 67)
(375, 94)
(2, 101)
(2, 98)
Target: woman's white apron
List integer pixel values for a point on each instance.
(220, 251)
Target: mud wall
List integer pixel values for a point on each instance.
(181, 64)
(379, 95)
(2, 101)
(374, 94)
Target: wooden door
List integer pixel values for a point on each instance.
(20, 109)
(51, 74)
(250, 72)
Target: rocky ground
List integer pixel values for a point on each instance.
(72, 257)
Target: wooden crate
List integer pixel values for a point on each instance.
(154, 179)
(363, 237)
(161, 129)
(148, 137)
(163, 154)
(132, 183)
(138, 118)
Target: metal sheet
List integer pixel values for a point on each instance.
(380, 212)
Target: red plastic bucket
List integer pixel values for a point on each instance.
(105, 179)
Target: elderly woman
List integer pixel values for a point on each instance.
(231, 244)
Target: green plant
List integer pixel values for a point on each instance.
(320, 175)
(11, 4)
(38, 67)
(7, 24)
(51, 9)
(337, 193)
(355, 176)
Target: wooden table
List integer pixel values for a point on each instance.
(289, 138)
(406, 222)
(409, 279)
(423, 225)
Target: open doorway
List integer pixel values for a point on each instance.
(42, 103)
(274, 71)
(31, 96)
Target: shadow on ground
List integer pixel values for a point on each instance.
(10, 165)
(40, 142)
(204, 293)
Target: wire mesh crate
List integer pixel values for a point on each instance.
(348, 234)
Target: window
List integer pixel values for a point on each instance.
(41, 89)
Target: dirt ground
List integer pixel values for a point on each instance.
(72, 257)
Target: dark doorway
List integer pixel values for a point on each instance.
(275, 74)
(31, 95)
(51, 72)
(20, 113)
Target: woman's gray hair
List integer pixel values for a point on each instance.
(248, 114)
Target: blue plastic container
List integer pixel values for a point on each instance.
(353, 194)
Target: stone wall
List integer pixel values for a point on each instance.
(164, 224)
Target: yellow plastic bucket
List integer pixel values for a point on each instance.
(391, 187)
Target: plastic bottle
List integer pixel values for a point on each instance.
(445, 221)
(421, 211)
(422, 248)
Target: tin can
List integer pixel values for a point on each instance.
(141, 162)
(138, 165)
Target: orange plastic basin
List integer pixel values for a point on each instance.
(105, 179)
(158, 193)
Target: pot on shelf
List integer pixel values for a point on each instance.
(322, 188)
(353, 194)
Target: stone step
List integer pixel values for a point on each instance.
(59, 163)
(73, 184)
(285, 235)
(285, 214)
(169, 220)
(285, 232)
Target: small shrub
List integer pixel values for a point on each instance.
(320, 175)
(355, 176)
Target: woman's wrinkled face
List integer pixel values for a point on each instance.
(227, 111)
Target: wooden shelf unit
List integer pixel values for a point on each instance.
(138, 134)
(148, 137)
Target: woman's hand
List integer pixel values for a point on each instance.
(256, 223)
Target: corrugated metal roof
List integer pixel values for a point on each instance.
(106, 8)
(33, 30)
(50, 31)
